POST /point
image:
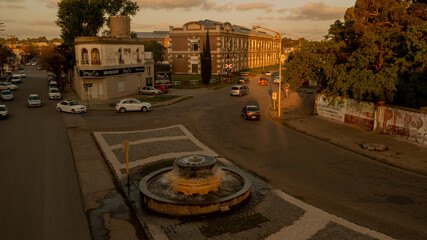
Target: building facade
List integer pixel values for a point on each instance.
(232, 46)
(111, 67)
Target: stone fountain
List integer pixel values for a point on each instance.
(195, 185)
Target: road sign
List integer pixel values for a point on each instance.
(287, 85)
(274, 95)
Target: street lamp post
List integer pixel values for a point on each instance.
(280, 66)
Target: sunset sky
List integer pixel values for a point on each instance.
(308, 19)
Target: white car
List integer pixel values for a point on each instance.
(269, 73)
(6, 95)
(54, 93)
(15, 79)
(3, 111)
(8, 85)
(276, 80)
(239, 90)
(22, 74)
(131, 104)
(70, 106)
(34, 101)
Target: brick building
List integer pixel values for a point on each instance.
(239, 46)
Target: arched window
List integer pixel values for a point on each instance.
(120, 56)
(85, 58)
(138, 57)
(95, 56)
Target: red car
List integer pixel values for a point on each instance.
(263, 81)
(162, 88)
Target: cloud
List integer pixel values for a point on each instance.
(41, 22)
(50, 3)
(141, 25)
(16, 6)
(220, 8)
(313, 11)
(254, 6)
(265, 18)
(171, 4)
(12, 1)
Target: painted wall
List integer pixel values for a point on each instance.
(406, 124)
(347, 111)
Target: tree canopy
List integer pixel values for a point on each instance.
(206, 61)
(157, 49)
(377, 53)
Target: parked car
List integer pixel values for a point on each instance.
(34, 101)
(8, 85)
(239, 90)
(8, 74)
(162, 88)
(54, 93)
(3, 111)
(22, 74)
(15, 79)
(39, 67)
(70, 106)
(269, 73)
(243, 80)
(251, 112)
(53, 84)
(131, 104)
(149, 90)
(21, 67)
(4, 78)
(263, 81)
(6, 95)
(276, 80)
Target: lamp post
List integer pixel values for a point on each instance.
(280, 65)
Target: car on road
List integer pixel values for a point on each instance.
(263, 81)
(70, 106)
(22, 74)
(6, 95)
(3, 111)
(131, 104)
(269, 73)
(162, 88)
(53, 84)
(239, 90)
(251, 112)
(8, 74)
(4, 78)
(15, 79)
(21, 67)
(39, 67)
(150, 90)
(54, 93)
(8, 85)
(243, 80)
(276, 80)
(34, 100)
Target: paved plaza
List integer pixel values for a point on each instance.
(269, 213)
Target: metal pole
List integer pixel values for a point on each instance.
(127, 161)
(280, 74)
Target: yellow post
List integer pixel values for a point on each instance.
(127, 161)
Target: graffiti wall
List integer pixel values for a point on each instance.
(409, 125)
(347, 111)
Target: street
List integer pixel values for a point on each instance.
(41, 194)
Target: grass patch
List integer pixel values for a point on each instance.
(232, 225)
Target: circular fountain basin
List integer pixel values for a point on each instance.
(157, 194)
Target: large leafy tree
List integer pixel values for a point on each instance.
(55, 61)
(5, 55)
(206, 61)
(373, 55)
(157, 49)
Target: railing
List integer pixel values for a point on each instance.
(83, 62)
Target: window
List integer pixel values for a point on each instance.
(95, 56)
(179, 56)
(194, 68)
(138, 57)
(149, 81)
(120, 56)
(194, 46)
(121, 87)
(85, 58)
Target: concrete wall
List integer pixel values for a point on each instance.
(347, 111)
(408, 124)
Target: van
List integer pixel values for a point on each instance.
(239, 90)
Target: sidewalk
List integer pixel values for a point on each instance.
(297, 113)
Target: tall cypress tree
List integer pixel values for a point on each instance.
(206, 61)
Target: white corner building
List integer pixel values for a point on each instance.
(112, 67)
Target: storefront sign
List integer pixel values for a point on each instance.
(109, 72)
(162, 78)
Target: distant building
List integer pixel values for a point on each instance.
(231, 46)
(114, 66)
(161, 37)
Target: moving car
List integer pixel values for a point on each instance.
(276, 80)
(149, 90)
(54, 93)
(22, 74)
(3, 111)
(251, 112)
(262, 81)
(243, 80)
(70, 106)
(8, 85)
(239, 90)
(269, 73)
(34, 101)
(15, 79)
(131, 104)
(6, 95)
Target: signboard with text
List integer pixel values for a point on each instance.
(109, 72)
(162, 78)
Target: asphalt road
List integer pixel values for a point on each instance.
(341, 182)
(40, 194)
